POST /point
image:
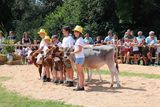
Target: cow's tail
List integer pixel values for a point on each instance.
(117, 66)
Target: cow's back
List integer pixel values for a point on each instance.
(96, 57)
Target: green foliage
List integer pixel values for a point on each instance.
(95, 16)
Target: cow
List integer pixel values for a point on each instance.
(32, 57)
(96, 57)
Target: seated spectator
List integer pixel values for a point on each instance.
(26, 40)
(145, 51)
(35, 45)
(127, 45)
(121, 50)
(151, 41)
(98, 40)
(129, 35)
(109, 37)
(157, 52)
(12, 37)
(2, 40)
(88, 40)
(140, 37)
(55, 41)
(135, 50)
(115, 38)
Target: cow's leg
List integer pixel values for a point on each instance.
(90, 75)
(99, 73)
(87, 74)
(114, 72)
(40, 71)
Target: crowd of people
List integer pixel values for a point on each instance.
(130, 49)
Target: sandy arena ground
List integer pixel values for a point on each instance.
(135, 91)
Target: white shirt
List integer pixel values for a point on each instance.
(80, 42)
(59, 44)
(42, 43)
(45, 48)
(68, 41)
(135, 47)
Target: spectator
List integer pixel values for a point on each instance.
(12, 37)
(2, 40)
(98, 40)
(109, 37)
(140, 37)
(88, 40)
(55, 41)
(115, 38)
(151, 39)
(129, 35)
(157, 52)
(26, 40)
(35, 43)
(127, 45)
(135, 50)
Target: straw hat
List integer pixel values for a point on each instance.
(47, 38)
(78, 29)
(42, 31)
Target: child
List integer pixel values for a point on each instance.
(127, 46)
(135, 50)
(157, 52)
(145, 51)
(121, 50)
(98, 40)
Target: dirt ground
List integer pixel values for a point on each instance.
(135, 91)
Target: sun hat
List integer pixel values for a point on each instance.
(42, 31)
(78, 29)
(47, 38)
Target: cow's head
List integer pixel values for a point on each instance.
(40, 58)
(67, 52)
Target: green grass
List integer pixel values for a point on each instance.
(132, 74)
(11, 99)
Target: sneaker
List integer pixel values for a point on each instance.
(48, 80)
(60, 82)
(70, 84)
(55, 81)
(79, 89)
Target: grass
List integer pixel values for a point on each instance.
(131, 74)
(11, 99)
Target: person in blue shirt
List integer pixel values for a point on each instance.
(151, 39)
(140, 37)
(88, 40)
(109, 37)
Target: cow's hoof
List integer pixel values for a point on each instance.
(111, 86)
(118, 86)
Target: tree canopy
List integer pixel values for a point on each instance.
(96, 16)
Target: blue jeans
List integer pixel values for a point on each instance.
(79, 61)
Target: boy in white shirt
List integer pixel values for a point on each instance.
(68, 42)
